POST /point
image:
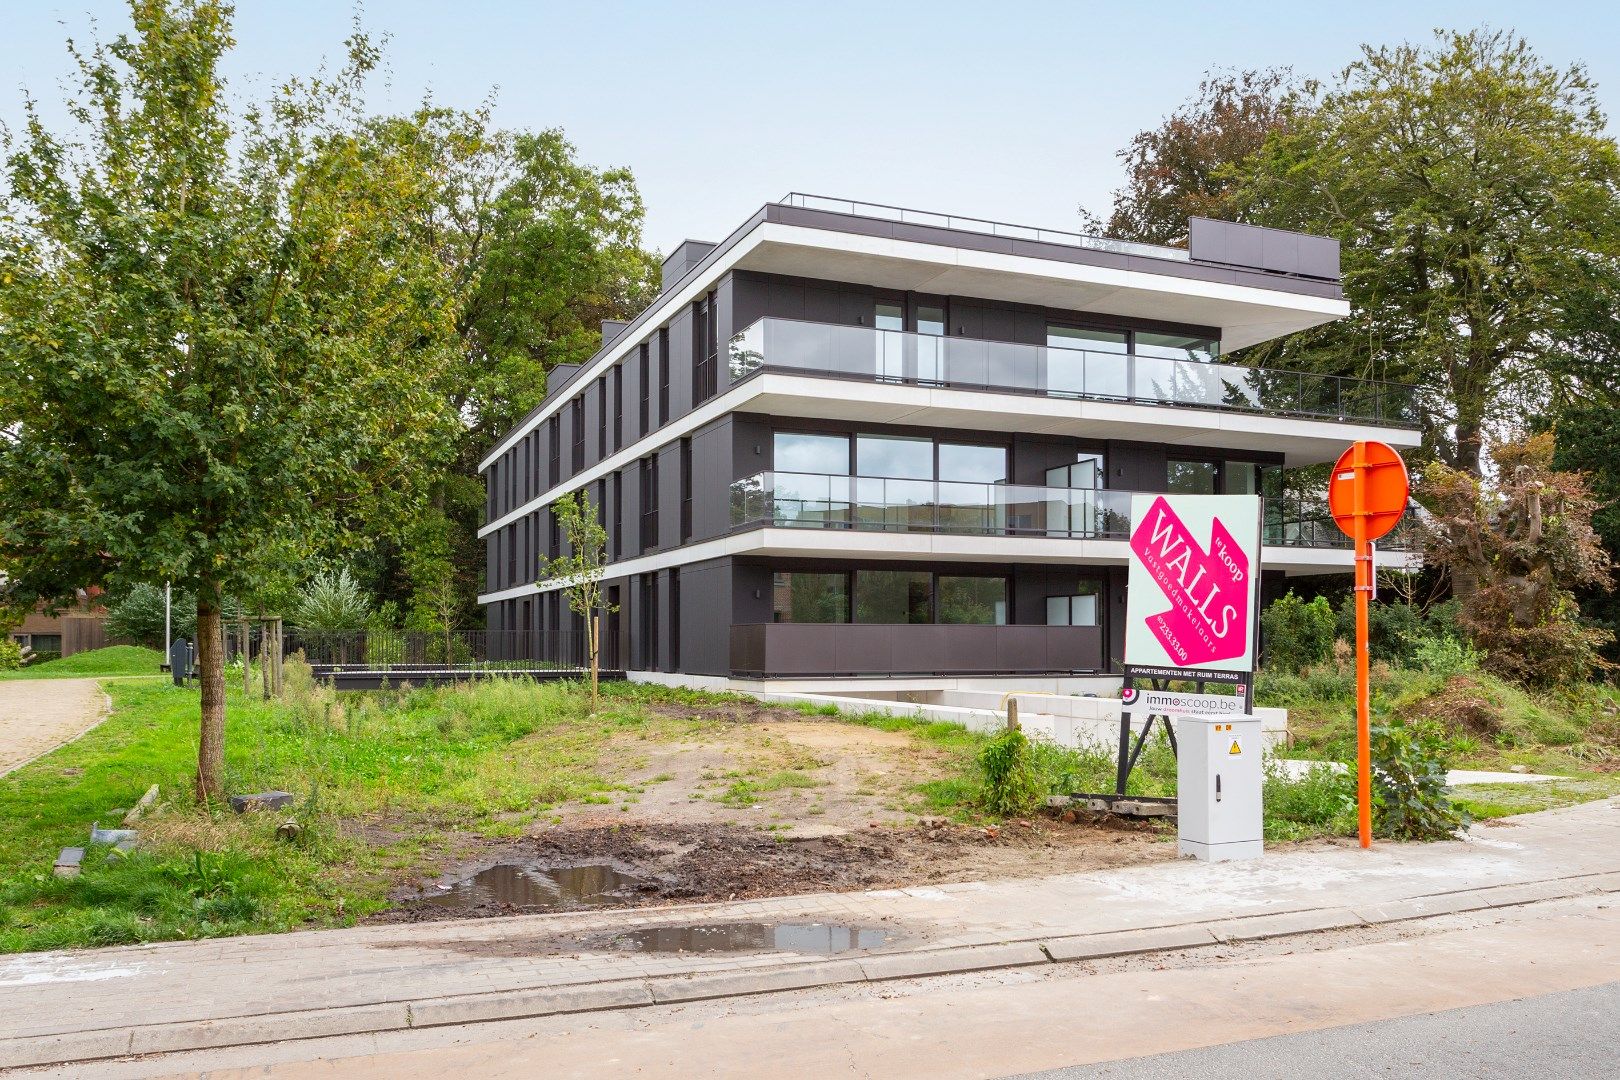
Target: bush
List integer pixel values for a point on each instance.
(1323, 800)
(1011, 785)
(1296, 634)
(138, 617)
(332, 600)
(10, 654)
(1410, 797)
(1444, 656)
(1391, 628)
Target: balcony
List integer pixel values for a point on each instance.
(893, 356)
(830, 501)
(838, 649)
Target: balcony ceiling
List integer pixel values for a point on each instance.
(1245, 315)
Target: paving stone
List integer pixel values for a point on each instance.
(950, 961)
(546, 1002)
(755, 981)
(1127, 942)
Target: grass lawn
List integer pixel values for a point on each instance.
(114, 660)
(392, 785)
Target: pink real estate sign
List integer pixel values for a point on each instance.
(1191, 595)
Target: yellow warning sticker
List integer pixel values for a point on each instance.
(1237, 747)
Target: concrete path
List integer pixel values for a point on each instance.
(1297, 768)
(38, 715)
(66, 1006)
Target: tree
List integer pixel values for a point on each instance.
(222, 336)
(331, 600)
(1476, 196)
(541, 249)
(1528, 542)
(1181, 168)
(138, 616)
(581, 570)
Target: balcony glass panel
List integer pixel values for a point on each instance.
(837, 501)
(1069, 365)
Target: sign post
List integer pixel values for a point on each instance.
(1367, 496)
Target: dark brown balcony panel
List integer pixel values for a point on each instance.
(839, 649)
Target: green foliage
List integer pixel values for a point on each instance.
(1444, 656)
(138, 616)
(1391, 627)
(1296, 634)
(1321, 802)
(10, 654)
(1410, 797)
(1011, 786)
(331, 600)
(1475, 191)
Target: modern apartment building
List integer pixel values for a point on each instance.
(853, 442)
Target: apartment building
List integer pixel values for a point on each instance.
(856, 442)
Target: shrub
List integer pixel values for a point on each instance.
(332, 600)
(1444, 656)
(1297, 634)
(10, 654)
(1410, 797)
(1323, 800)
(1011, 786)
(138, 616)
(1391, 628)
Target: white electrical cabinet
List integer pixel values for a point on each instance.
(1218, 781)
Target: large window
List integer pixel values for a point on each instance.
(810, 598)
(963, 463)
(978, 600)
(1084, 608)
(794, 453)
(1191, 477)
(894, 596)
(1082, 361)
(1177, 347)
(896, 485)
(889, 315)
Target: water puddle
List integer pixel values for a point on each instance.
(559, 888)
(819, 938)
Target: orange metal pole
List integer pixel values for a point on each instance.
(1364, 588)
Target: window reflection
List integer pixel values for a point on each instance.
(1191, 477)
(893, 596)
(980, 601)
(810, 598)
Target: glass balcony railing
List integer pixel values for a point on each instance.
(830, 501)
(860, 352)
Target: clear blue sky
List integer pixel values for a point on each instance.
(1004, 109)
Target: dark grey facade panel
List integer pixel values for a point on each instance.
(705, 617)
(680, 365)
(669, 496)
(594, 419)
(712, 471)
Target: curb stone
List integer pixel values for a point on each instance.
(1127, 943)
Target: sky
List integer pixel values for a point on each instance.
(1009, 110)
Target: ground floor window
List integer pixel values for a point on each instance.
(894, 596)
(888, 596)
(1084, 608)
(978, 600)
(810, 598)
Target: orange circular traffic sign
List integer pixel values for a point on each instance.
(1369, 482)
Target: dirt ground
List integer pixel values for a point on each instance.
(745, 800)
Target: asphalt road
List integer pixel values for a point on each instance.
(1574, 1034)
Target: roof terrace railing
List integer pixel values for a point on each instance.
(861, 352)
(981, 225)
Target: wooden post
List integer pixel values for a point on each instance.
(247, 657)
(1012, 714)
(276, 659)
(264, 655)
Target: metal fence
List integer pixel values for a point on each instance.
(462, 650)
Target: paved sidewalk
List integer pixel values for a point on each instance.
(38, 715)
(69, 1006)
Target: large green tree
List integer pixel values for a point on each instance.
(541, 248)
(1476, 194)
(222, 336)
(1182, 167)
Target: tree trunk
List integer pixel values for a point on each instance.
(592, 643)
(211, 678)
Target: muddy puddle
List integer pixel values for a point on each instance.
(547, 888)
(821, 939)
